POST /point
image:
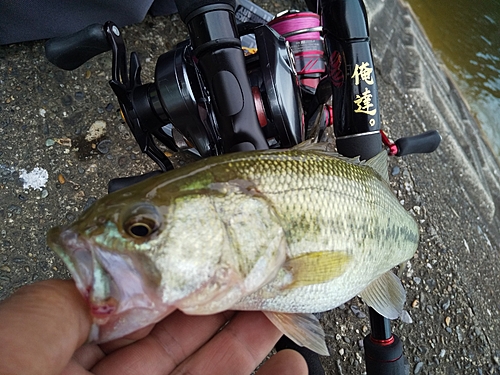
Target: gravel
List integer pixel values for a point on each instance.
(454, 193)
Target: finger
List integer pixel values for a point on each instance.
(169, 343)
(41, 326)
(285, 362)
(111, 346)
(74, 368)
(236, 349)
(86, 356)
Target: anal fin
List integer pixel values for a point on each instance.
(385, 295)
(303, 329)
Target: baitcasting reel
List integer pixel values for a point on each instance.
(201, 99)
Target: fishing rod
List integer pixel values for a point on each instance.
(358, 133)
(302, 74)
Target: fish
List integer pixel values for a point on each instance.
(288, 232)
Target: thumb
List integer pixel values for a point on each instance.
(41, 325)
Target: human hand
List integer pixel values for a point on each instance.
(44, 327)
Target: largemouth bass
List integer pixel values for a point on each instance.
(288, 232)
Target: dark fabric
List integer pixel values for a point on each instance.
(313, 362)
(162, 7)
(24, 20)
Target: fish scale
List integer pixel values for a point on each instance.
(289, 232)
(345, 203)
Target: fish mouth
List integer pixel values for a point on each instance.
(120, 298)
(75, 255)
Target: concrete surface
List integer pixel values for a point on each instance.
(49, 174)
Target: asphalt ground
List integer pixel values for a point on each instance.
(49, 174)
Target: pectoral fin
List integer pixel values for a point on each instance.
(385, 295)
(303, 329)
(316, 268)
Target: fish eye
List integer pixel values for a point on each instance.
(142, 222)
(141, 229)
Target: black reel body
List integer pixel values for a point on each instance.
(180, 100)
(183, 109)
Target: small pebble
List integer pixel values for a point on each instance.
(460, 335)
(66, 142)
(96, 131)
(445, 305)
(89, 202)
(418, 367)
(110, 107)
(103, 146)
(15, 209)
(395, 170)
(49, 142)
(67, 100)
(45, 193)
(447, 320)
(122, 161)
(406, 318)
(357, 312)
(79, 95)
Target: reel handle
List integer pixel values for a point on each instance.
(423, 143)
(70, 51)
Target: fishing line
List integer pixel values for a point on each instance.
(302, 31)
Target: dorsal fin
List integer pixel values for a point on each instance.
(310, 145)
(324, 148)
(380, 165)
